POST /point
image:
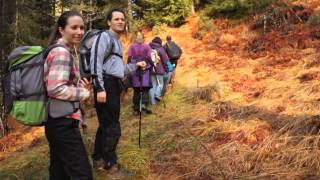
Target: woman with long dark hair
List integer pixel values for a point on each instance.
(68, 156)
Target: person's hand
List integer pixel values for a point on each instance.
(102, 97)
(84, 83)
(142, 65)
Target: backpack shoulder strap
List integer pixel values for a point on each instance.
(157, 50)
(47, 51)
(111, 52)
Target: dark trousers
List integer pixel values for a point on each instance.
(68, 156)
(137, 96)
(109, 130)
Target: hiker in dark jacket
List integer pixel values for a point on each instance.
(68, 156)
(172, 46)
(159, 69)
(174, 53)
(139, 51)
(108, 87)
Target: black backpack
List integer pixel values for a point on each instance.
(85, 51)
(173, 50)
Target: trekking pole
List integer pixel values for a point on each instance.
(140, 105)
(164, 103)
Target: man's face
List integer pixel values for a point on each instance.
(117, 23)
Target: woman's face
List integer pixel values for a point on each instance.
(73, 31)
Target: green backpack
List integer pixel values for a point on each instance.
(24, 92)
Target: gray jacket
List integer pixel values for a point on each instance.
(108, 43)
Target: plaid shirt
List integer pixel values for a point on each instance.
(61, 79)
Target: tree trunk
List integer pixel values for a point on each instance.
(16, 24)
(192, 7)
(7, 19)
(81, 7)
(61, 4)
(90, 14)
(129, 15)
(1, 31)
(53, 8)
(2, 130)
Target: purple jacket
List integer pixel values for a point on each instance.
(161, 68)
(140, 52)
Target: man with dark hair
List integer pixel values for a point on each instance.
(112, 10)
(107, 63)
